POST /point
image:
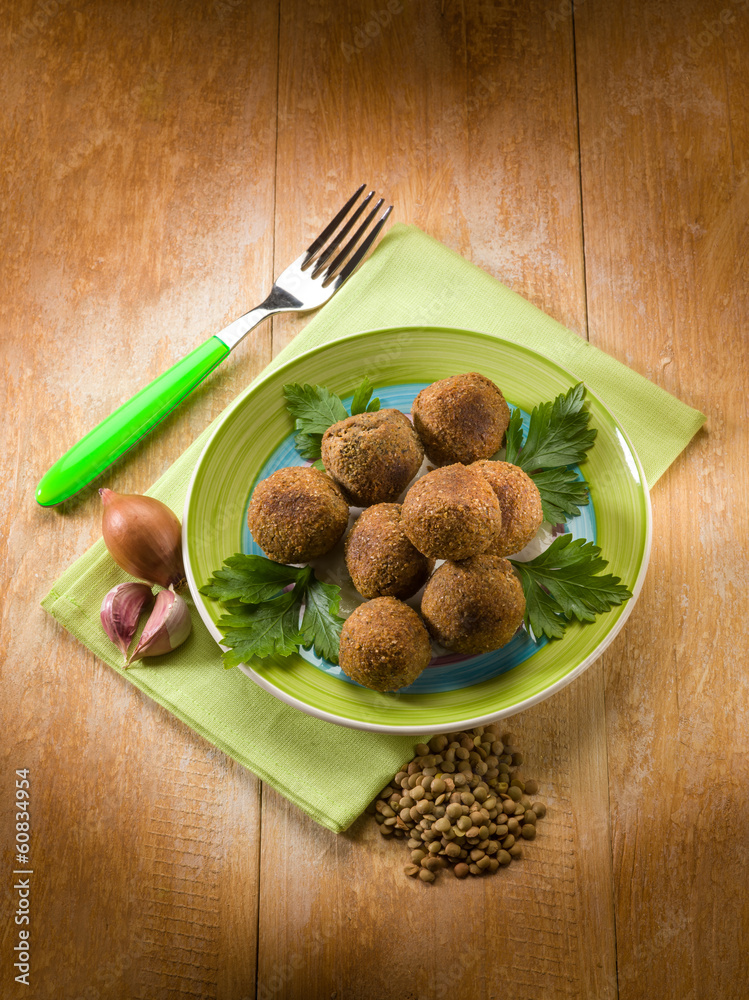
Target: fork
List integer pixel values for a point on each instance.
(306, 284)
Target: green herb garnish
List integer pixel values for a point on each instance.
(362, 401)
(561, 493)
(315, 408)
(565, 582)
(261, 620)
(558, 433)
(558, 436)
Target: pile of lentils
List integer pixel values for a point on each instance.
(459, 803)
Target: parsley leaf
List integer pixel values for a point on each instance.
(362, 401)
(561, 492)
(260, 621)
(315, 408)
(322, 624)
(558, 433)
(268, 629)
(249, 579)
(563, 583)
(308, 445)
(514, 438)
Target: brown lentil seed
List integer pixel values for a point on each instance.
(539, 809)
(411, 870)
(460, 870)
(528, 831)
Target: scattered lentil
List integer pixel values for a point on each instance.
(459, 803)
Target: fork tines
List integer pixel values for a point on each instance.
(346, 262)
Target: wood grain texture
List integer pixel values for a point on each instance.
(666, 228)
(139, 156)
(161, 163)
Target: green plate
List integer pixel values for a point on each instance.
(257, 423)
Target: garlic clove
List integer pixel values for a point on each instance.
(120, 612)
(168, 627)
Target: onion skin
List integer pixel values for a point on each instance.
(168, 627)
(144, 537)
(120, 612)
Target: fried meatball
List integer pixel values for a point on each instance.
(381, 559)
(372, 456)
(384, 645)
(297, 514)
(461, 419)
(451, 513)
(519, 501)
(475, 605)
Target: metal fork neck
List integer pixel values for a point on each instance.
(278, 301)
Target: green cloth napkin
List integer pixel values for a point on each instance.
(329, 771)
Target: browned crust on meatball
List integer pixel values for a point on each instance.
(461, 419)
(372, 456)
(381, 559)
(519, 501)
(384, 645)
(451, 513)
(297, 514)
(474, 606)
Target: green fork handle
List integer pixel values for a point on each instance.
(123, 428)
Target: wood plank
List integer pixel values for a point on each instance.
(467, 120)
(664, 145)
(139, 159)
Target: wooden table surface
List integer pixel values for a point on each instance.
(161, 162)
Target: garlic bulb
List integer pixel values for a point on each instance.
(168, 627)
(121, 610)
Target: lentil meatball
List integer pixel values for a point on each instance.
(451, 513)
(384, 645)
(381, 559)
(297, 514)
(372, 456)
(519, 501)
(461, 419)
(475, 605)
